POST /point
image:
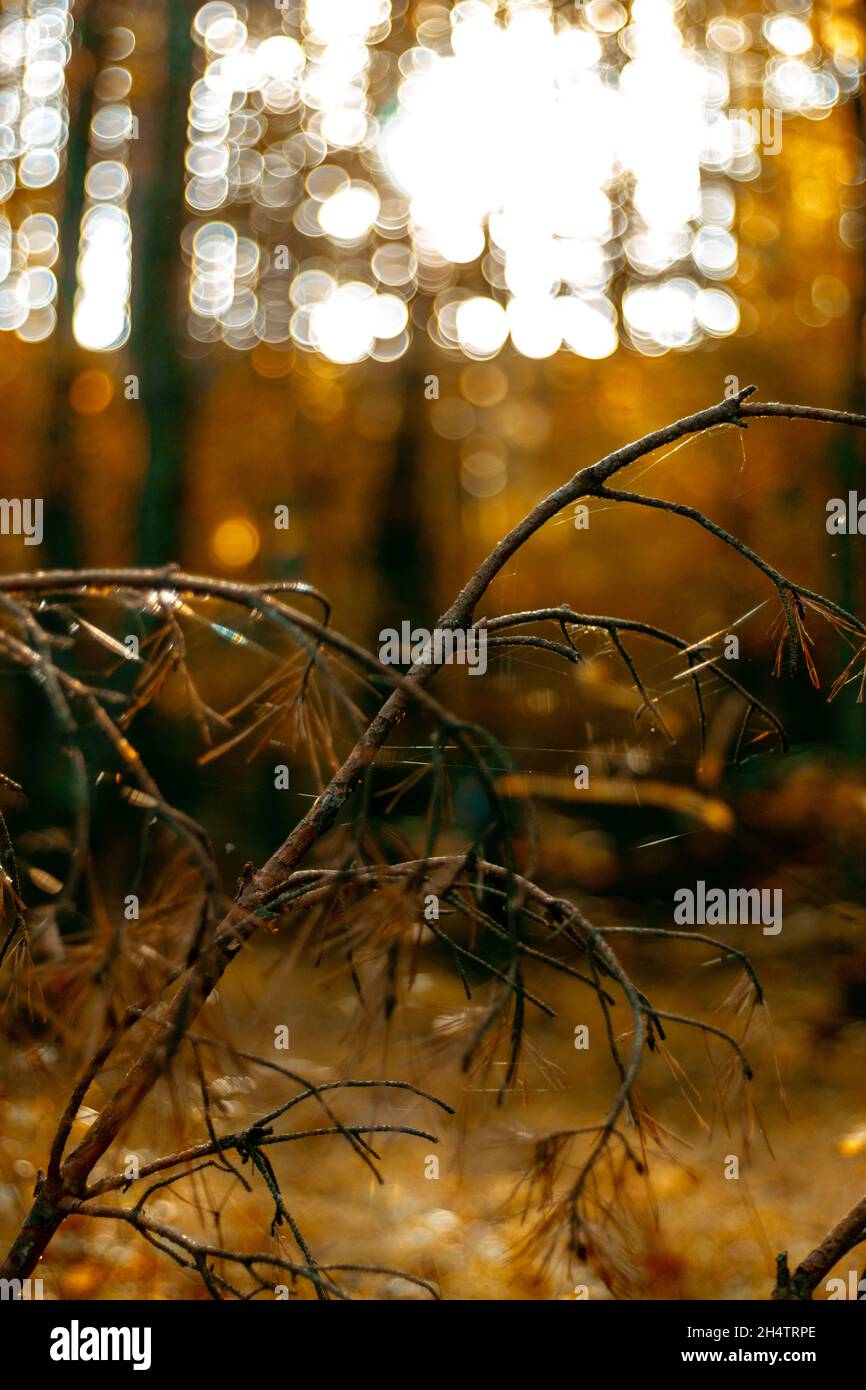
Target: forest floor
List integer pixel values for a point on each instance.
(697, 1234)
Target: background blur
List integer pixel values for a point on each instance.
(405, 300)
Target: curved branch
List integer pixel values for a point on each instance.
(53, 1197)
(844, 1236)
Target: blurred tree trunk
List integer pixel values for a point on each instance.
(849, 459)
(162, 371)
(401, 547)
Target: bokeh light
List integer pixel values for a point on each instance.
(35, 49)
(91, 392)
(515, 176)
(235, 543)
